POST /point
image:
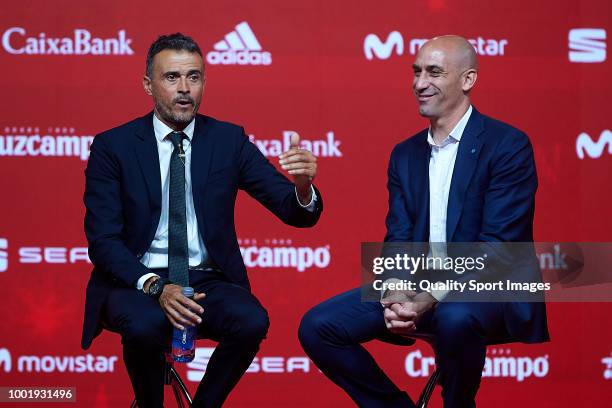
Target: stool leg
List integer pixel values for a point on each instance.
(172, 379)
(178, 385)
(177, 395)
(428, 390)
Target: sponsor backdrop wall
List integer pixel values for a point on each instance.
(339, 73)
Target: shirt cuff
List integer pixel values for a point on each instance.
(141, 281)
(313, 200)
(439, 294)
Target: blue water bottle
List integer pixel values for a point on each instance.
(183, 341)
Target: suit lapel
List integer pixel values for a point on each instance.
(148, 159)
(201, 157)
(420, 170)
(465, 163)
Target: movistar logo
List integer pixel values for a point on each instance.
(5, 359)
(373, 46)
(593, 149)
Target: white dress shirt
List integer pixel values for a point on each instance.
(157, 254)
(441, 166)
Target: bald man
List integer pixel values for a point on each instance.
(467, 178)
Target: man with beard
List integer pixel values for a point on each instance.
(160, 195)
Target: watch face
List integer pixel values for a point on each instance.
(154, 288)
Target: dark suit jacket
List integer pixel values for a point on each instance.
(123, 202)
(491, 199)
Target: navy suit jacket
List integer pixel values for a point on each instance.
(123, 202)
(491, 199)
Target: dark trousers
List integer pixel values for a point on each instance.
(232, 316)
(331, 333)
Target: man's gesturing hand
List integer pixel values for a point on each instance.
(179, 308)
(302, 165)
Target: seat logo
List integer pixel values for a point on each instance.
(587, 45)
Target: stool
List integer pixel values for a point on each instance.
(172, 378)
(428, 389)
(433, 378)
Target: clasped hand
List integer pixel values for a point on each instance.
(403, 310)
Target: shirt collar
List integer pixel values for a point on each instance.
(162, 130)
(457, 131)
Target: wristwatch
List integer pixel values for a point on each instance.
(157, 287)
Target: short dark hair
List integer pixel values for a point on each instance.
(176, 41)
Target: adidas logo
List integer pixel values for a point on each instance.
(240, 47)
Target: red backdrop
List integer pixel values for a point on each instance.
(72, 69)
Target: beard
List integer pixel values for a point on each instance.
(179, 119)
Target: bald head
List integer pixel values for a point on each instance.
(457, 50)
(445, 71)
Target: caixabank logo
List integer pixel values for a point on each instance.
(593, 148)
(17, 41)
(52, 141)
(239, 47)
(327, 146)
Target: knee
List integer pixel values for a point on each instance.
(251, 325)
(311, 328)
(147, 334)
(456, 332)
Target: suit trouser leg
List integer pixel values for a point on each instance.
(232, 316)
(235, 318)
(331, 333)
(463, 331)
(145, 334)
